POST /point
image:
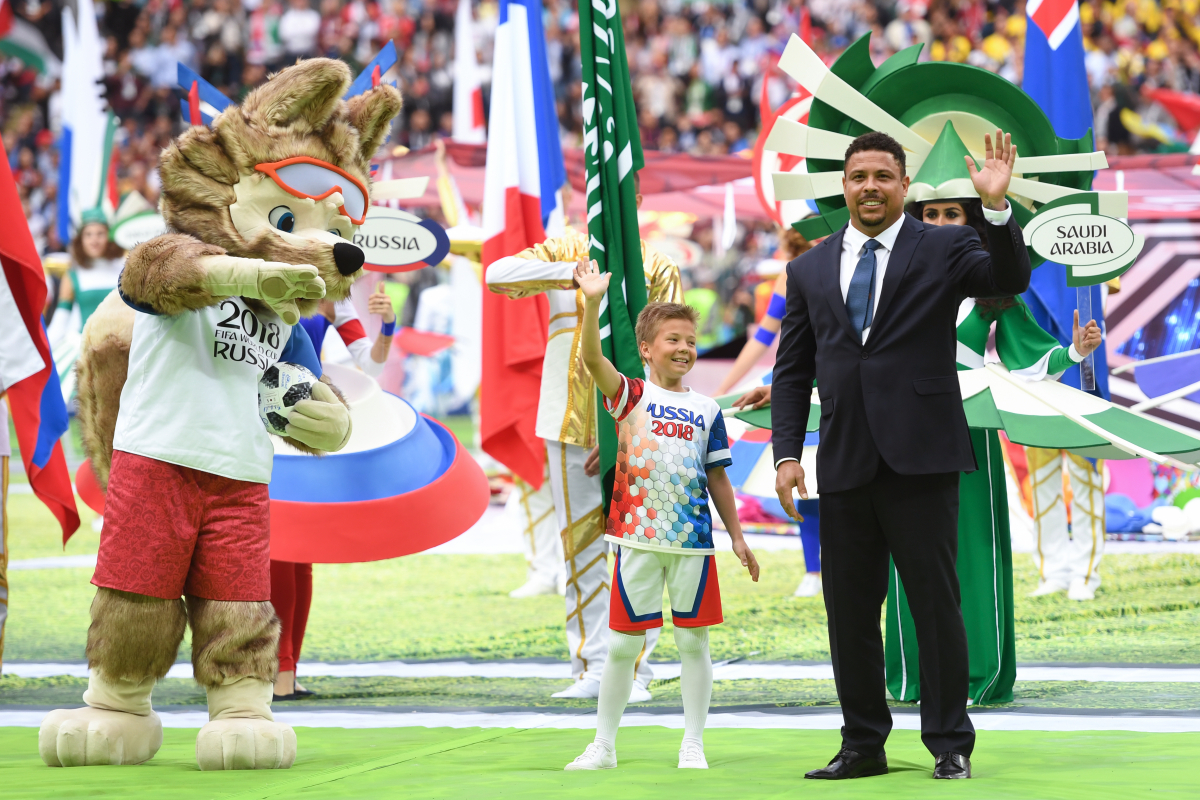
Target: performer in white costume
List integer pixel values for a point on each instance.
(1066, 560)
(566, 420)
(533, 511)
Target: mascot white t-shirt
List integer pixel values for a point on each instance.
(191, 397)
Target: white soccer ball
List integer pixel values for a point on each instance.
(279, 389)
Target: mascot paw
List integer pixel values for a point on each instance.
(245, 744)
(87, 737)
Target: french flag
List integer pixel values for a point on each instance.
(522, 202)
(27, 369)
(1056, 78)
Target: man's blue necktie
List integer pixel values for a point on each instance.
(860, 297)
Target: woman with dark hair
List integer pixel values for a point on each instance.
(984, 547)
(95, 264)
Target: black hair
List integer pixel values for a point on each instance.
(877, 141)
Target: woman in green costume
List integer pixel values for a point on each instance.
(984, 549)
(96, 263)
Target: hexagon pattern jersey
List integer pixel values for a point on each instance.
(667, 441)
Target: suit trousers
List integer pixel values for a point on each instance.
(914, 518)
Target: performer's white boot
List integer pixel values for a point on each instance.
(118, 726)
(241, 732)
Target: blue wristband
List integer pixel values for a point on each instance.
(777, 307)
(388, 329)
(765, 336)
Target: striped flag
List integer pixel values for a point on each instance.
(1055, 77)
(85, 145)
(522, 202)
(612, 153)
(468, 93)
(26, 367)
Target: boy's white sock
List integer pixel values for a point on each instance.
(615, 684)
(695, 680)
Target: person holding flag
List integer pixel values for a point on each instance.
(1067, 555)
(536, 399)
(28, 378)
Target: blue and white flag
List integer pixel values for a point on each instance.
(1055, 77)
(85, 144)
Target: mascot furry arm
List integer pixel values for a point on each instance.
(263, 206)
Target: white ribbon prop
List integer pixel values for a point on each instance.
(797, 139)
(799, 61)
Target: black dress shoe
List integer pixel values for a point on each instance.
(951, 766)
(300, 694)
(849, 764)
(275, 698)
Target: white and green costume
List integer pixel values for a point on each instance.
(984, 551)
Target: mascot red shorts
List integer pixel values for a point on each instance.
(172, 530)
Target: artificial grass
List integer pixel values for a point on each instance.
(442, 693)
(417, 763)
(456, 606)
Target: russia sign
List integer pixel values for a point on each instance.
(396, 241)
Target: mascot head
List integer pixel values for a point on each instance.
(285, 176)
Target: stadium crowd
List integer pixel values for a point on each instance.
(698, 67)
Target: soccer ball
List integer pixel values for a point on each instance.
(279, 389)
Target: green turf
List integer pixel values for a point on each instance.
(417, 763)
(445, 606)
(535, 693)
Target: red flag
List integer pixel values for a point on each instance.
(26, 366)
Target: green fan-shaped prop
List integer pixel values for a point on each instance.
(938, 111)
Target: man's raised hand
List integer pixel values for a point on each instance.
(591, 280)
(992, 181)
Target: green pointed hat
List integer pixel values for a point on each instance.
(92, 215)
(944, 174)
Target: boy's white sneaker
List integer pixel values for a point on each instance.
(810, 585)
(581, 689)
(597, 756)
(691, 756)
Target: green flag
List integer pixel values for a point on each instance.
(612, 154)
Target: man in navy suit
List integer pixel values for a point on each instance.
(871, 315)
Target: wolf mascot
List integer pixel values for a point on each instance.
(262, 205)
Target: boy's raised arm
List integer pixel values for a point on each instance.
(595, 285)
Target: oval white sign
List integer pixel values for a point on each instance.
(143, 227)
(391, 239)
(1083, 240)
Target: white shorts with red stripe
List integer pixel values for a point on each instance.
(636, 600)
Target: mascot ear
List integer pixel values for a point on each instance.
(371, 113)
(302, 97)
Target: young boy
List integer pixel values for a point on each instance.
(672, 452)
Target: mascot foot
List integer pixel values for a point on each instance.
(242, 733)
(88, 737)
(245, 744)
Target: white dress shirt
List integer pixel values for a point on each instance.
(852, 251)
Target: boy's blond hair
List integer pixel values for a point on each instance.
(654, 315)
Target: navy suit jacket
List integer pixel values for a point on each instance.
(896, 397)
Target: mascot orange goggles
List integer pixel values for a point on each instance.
(312, 179)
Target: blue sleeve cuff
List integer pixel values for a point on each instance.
(765, 336)
(777, 307)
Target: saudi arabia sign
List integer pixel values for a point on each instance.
(1084, 232)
